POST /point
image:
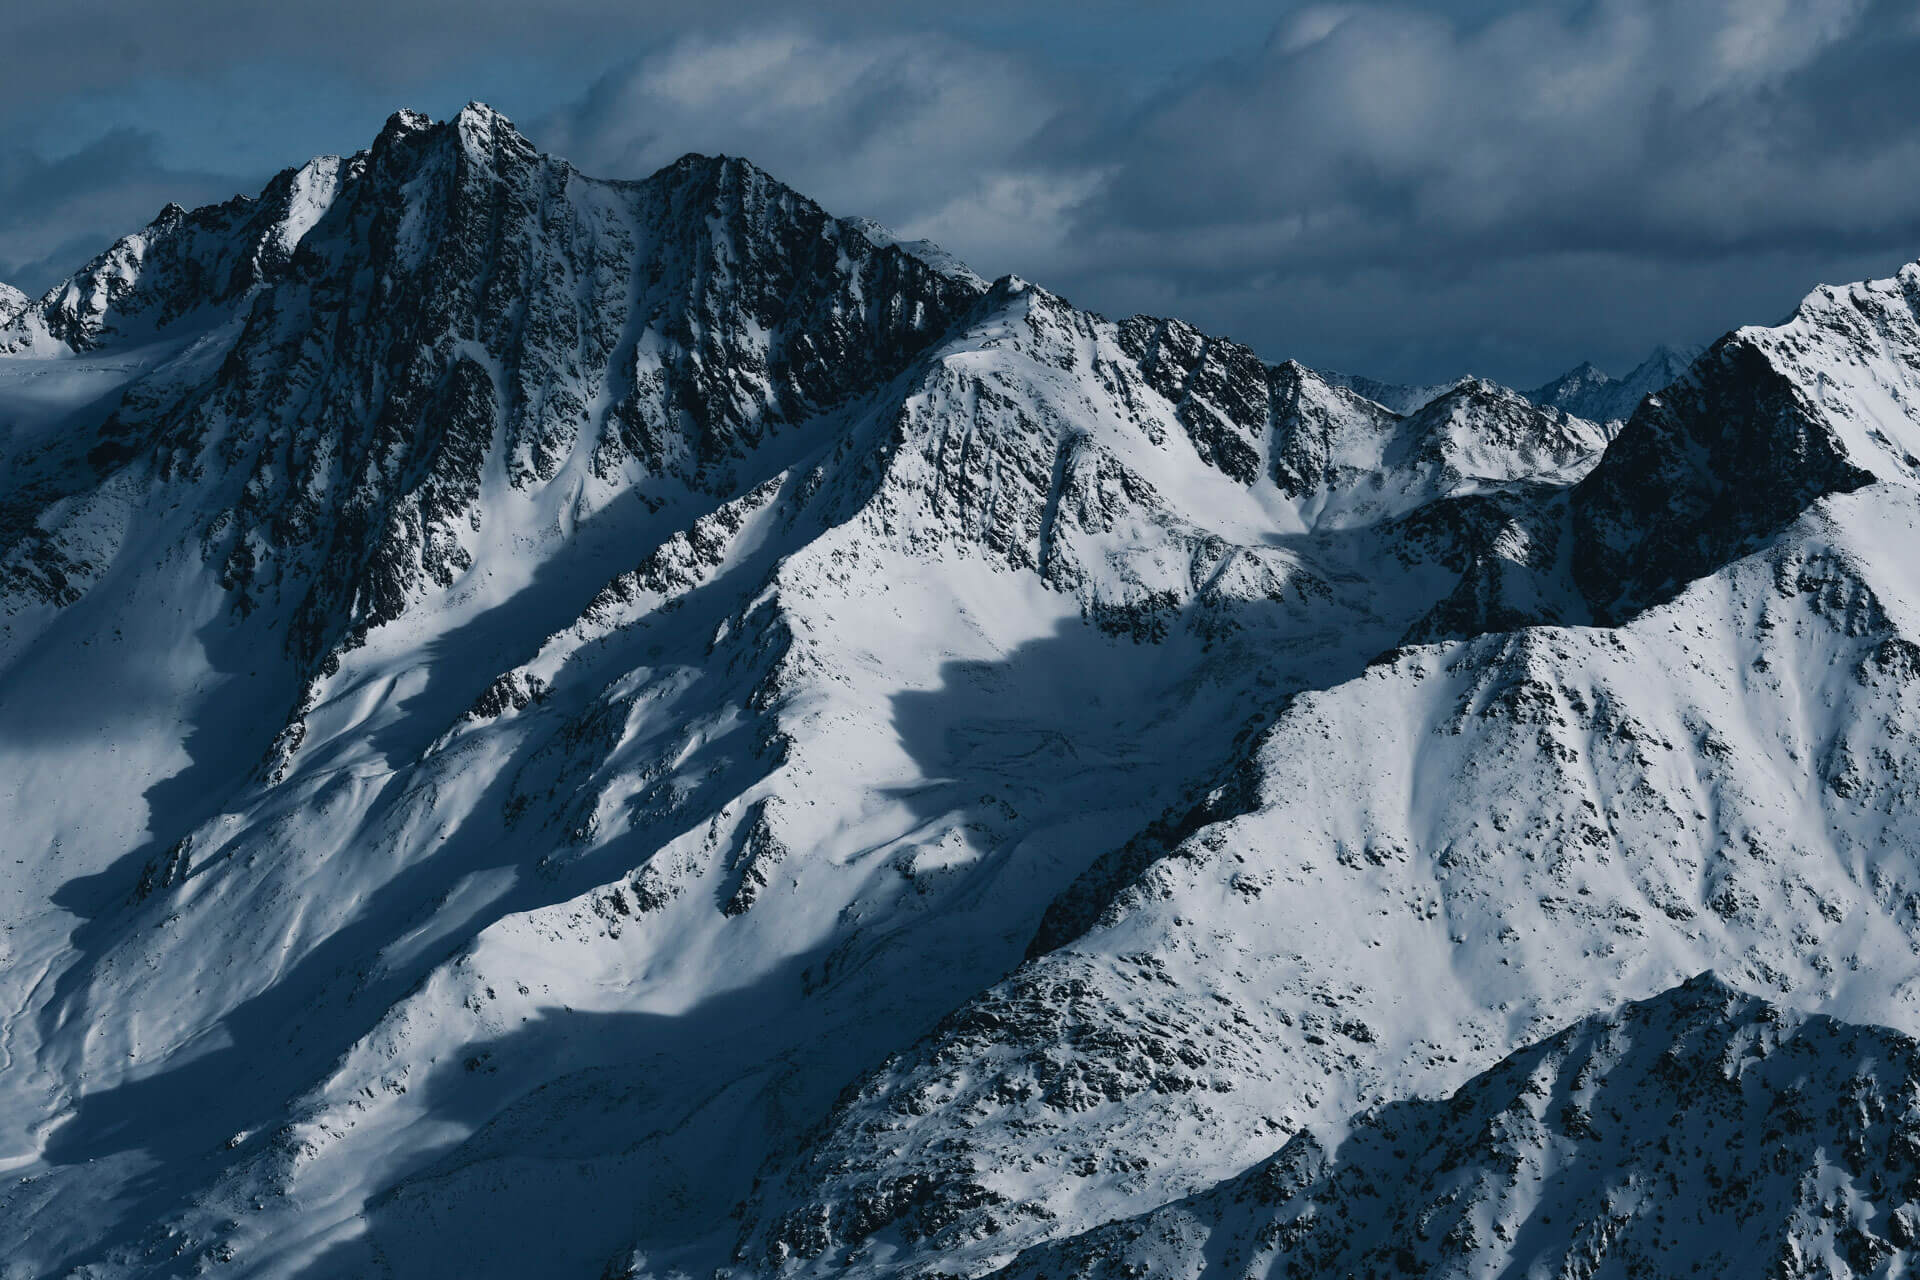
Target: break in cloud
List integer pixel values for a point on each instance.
(1400, 190)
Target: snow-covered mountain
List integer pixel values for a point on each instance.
(1585, 391)
(1700, 1132)
(559, 726)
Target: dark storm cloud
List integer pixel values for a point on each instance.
(931, 134)
(77, 46)
(1630, 125)
(52, 212)
(1412, 190)
(1379, 186)
(1602, 175)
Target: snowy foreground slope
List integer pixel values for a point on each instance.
(1703, 1131)
(563, 727)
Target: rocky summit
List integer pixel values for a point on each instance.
(566, 727)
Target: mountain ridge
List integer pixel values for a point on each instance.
(1521, 1167)
(1587, 392)
(1561, 716)
(647, 706)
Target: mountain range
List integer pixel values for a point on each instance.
(555, 726)
(1584, 391)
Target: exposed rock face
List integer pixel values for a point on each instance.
(391, 314)
(1701, 1132)
(648, 708)
(1701, 474)
(12, 302)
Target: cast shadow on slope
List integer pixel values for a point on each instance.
(719, 1086)
(1715, 469)
(1147, 752)
(1136, 731)
(638, 1127)
(277, 1043)
(280, 1042)
(600, 1117)
(223, 741)
(274, 1044)
(462, 663)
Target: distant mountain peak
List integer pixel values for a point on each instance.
(1587, 391)
(478, 115)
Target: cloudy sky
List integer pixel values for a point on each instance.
(1410, 190)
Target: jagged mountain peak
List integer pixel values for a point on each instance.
(1671, 356)
(1350, 459)
(1472, 388)
(1762, 425)
(1664, 365)
(1574, 388)
(1587, 391)
(477, 129)
(477, 116)
(716, 163)
(1488, 432)
(525, 320)
(406, 121)
(485, 132)
(925, 250)
(191, 266)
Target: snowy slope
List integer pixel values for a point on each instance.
(1417, 870)
(1349, 463)
(551, 725)
(214, 707)
(1702, 1131)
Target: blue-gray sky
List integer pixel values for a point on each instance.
(1409, 190)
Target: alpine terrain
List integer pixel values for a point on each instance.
(563, 727)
